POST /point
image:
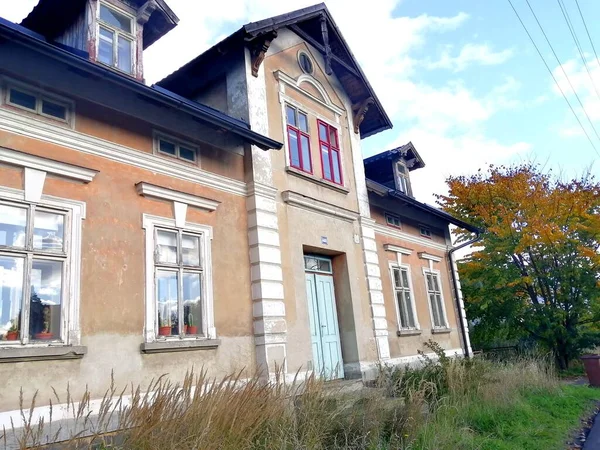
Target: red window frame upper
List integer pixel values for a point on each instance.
(299, 133)
(332, 147)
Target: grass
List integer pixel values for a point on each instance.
(445, 404)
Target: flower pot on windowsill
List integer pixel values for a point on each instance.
(164, 331)
(12, 336)
(592, 369)
(43, 336)
(192, 329)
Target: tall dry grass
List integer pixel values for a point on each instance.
(236, 413)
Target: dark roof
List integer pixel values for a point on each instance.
(306, 22)
(380, 167)
(75, 58)
(51, 17)
(382, 190)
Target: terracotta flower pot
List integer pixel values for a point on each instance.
(164, 331)
(592, 368)
(192, 329)
(43, 336)
(12, 335)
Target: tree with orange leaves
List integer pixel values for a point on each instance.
(536, 270)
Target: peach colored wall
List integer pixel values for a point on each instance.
(408, 345)
(112, 261)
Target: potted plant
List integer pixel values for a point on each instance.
(191, 328)
(13, 332)
(45, 333)
(164, 325)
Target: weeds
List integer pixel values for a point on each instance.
(427, 406)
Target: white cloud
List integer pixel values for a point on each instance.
(446, 122)
(470, 54)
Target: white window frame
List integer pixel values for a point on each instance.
(405, 177)
(437, 273)
(389, 216)
(151, 224)
(40, 96)
(395, 265)
(159, 135)
(118, 32)
(74, 214)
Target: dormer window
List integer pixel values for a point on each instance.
(115, 38)
(402, 178)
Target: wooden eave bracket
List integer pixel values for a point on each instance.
(259, 48)
(325, 36)
(360, 110)
(146, 11)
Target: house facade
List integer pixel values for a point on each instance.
(223, 218)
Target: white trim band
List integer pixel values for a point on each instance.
(153, 191)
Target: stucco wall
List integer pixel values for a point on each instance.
(112, 260)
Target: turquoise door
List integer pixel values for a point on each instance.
(324, 330)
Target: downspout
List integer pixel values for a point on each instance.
(460, 304)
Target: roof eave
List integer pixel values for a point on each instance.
(201, 112)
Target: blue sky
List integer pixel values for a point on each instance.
(459, 78)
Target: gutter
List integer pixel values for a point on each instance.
(202, 112)
(460, 304)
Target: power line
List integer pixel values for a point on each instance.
(553, 77)
(567, 18)
(563, 70)
(588, 32)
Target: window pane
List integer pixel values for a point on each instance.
(324, 265)
(305, 153)
(336, 166)
(434, 310)
(167, 246)
(46, 293)
(13, 224)
(124, 55)
(303, 122)
(294, 153)
(429, 283)
(166, 294)
(333, 137)
(326, 162)
(22, 99)
(401, 309)
(397, 282)
(290, 114)
(322, 132)
(405, 278)
(409, 311)
(167, 147)
(190, 247)
(311, 263)
(105, 47)
(54, 109)
(192, 302)
(48, 231)
(11, 296)
(187, 154)
(435, 283)
(117, 20)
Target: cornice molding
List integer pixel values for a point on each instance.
(66, 170)
(429, 256)
(162, 193)
(397, 249)
(13, 122)
(311, 204)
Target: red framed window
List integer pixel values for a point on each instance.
(298, 139)
(330, 153)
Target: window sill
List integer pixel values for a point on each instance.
(179, 346)
(441, 330)
(324, 183)
(408, 332)
(19, 354)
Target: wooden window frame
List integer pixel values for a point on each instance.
(299, 134)
(331, 149)
(117, 33)
(425, 232)
(389, 216)
(40, 97)
(404, 267)
(177, 143)
(442, 312)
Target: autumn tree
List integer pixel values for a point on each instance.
(535, 272)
